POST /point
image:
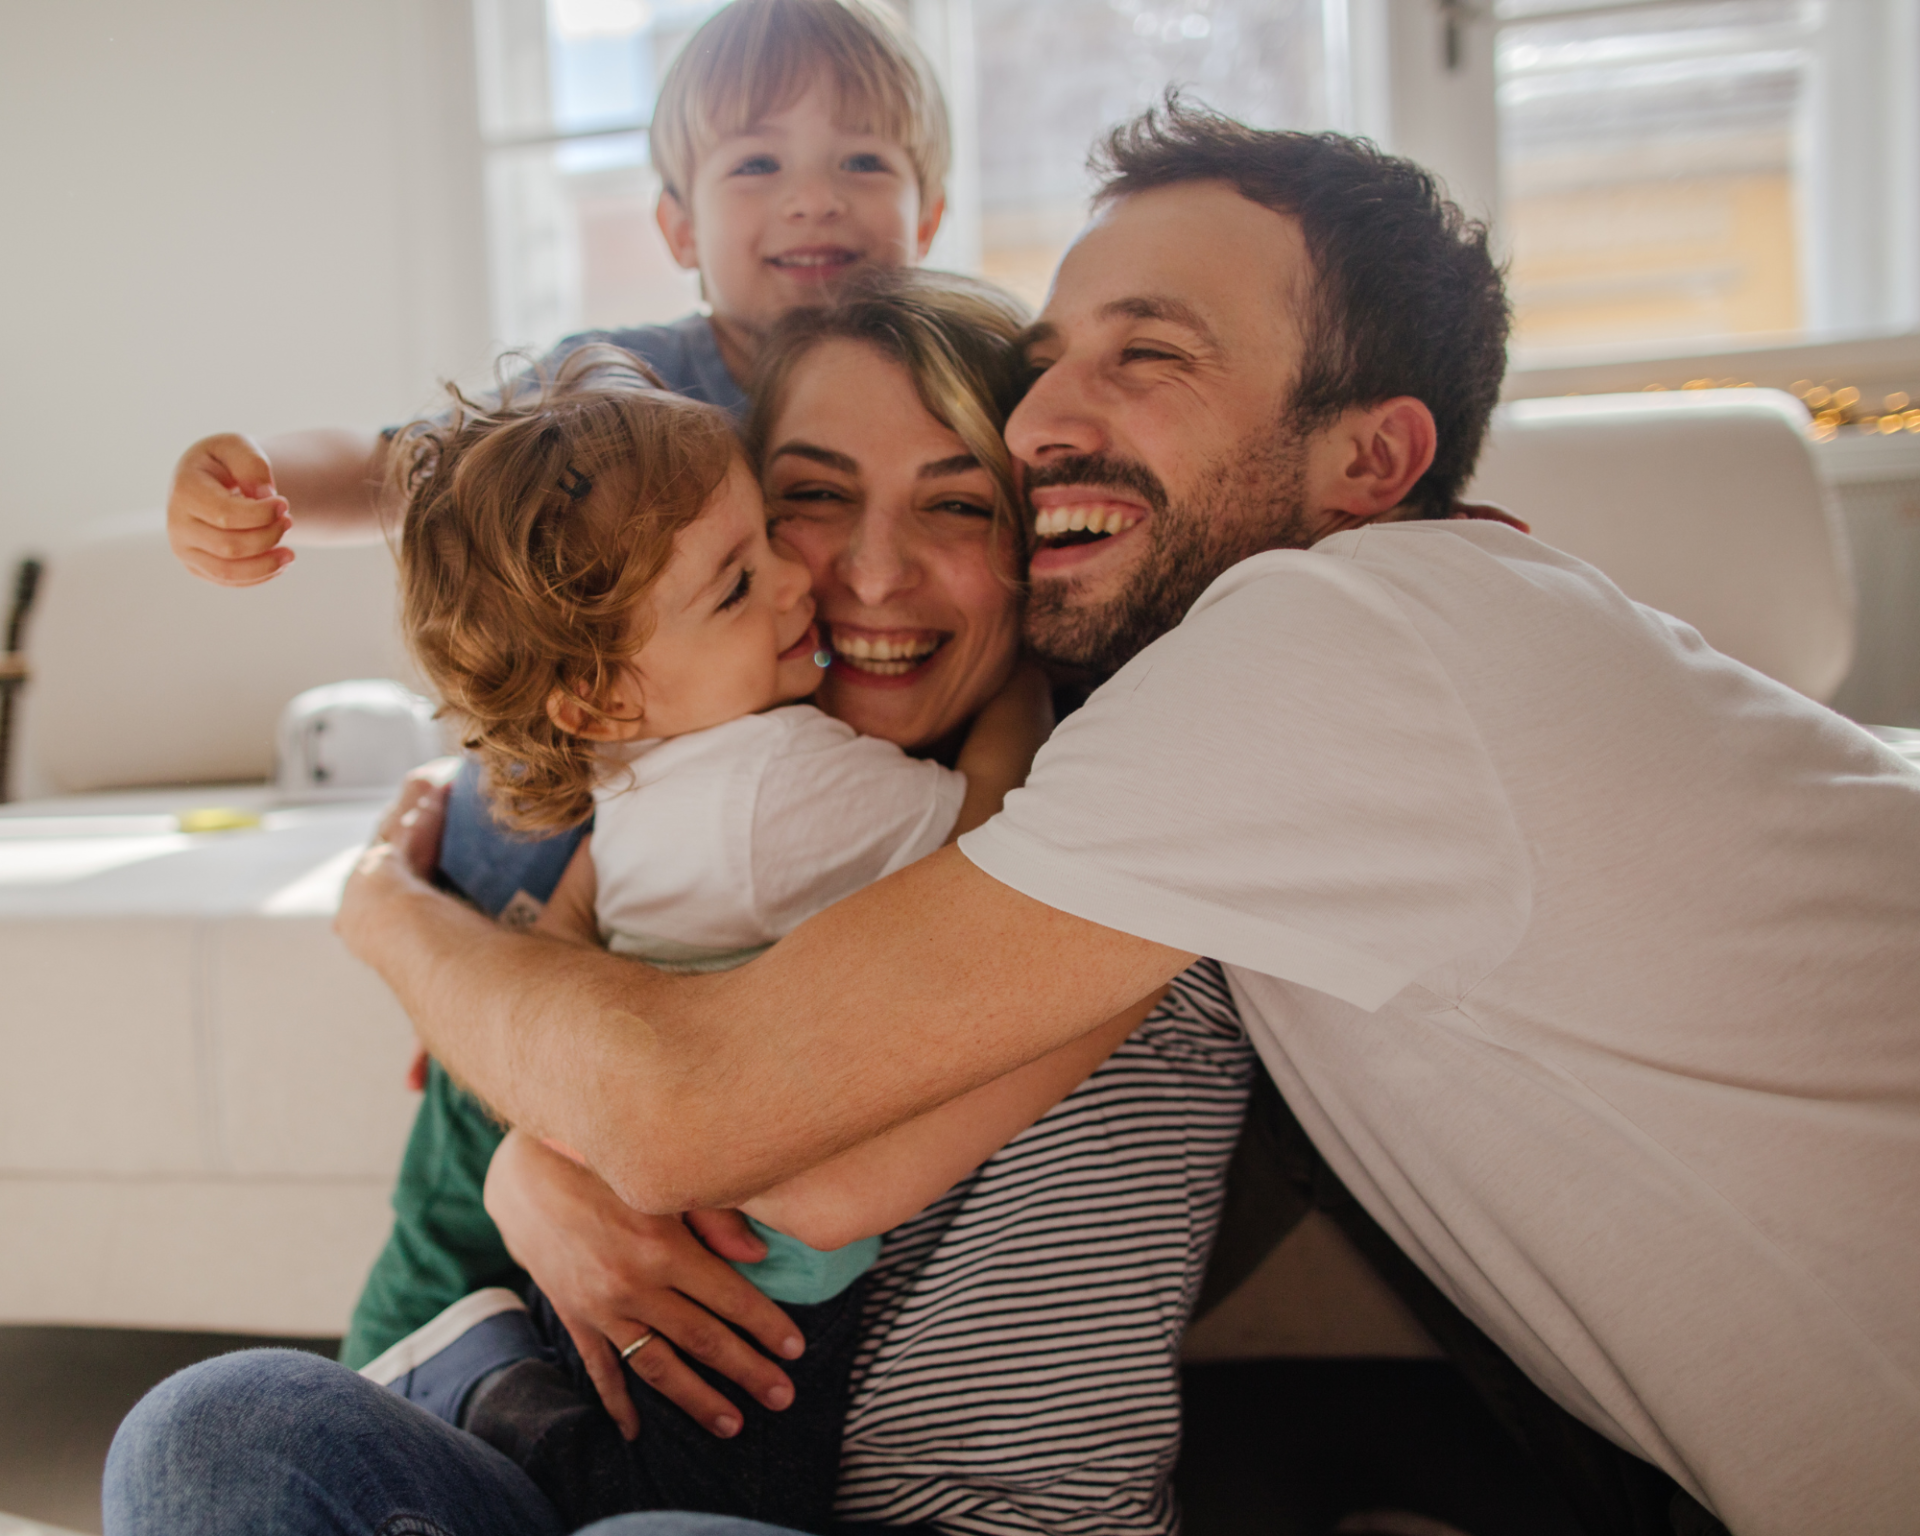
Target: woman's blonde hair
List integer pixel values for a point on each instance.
(959, 340)
(532, 529)
(756, 57)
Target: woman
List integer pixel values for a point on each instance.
(1019, 1365)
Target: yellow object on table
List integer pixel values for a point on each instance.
(216, 818)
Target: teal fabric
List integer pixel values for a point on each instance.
(792, 1273)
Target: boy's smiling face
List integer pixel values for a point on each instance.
(776, 215)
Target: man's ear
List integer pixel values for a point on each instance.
(677, 225)
(618, 717)
(1368, 462)
(930, 221)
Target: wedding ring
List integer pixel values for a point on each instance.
(637, 1345)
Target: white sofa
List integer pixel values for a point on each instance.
(201, 1095)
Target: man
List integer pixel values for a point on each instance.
(1584, 956)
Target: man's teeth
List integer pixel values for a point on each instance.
(1051, 522)
(814, 259)
(886, 658)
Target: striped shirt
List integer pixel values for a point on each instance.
(1019, 1370)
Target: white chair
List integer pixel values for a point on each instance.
(1704, 504)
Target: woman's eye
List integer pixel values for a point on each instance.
(809, 496)
(739, 593)
(961, 507)
(865, 164)
(757, 165)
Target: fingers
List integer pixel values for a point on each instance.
(608, 1376)
(728, 1235)
(414, 823)
(725, 1292)
(660, 1368)
(419, 835)
(697, 1333)
(232, 459)
(224, 517)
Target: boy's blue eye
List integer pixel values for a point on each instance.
(864, 164)
(757, 165)
(739, 593)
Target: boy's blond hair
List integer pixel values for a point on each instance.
(756, 57)
(533, 529)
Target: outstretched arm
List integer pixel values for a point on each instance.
(695, 1091)
(234, 501)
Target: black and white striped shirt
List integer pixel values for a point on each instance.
(1020, 1366)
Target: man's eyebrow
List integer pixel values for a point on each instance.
(817, 455)
(959, 464)
(1157, 307)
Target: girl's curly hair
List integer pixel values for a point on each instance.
(532, 527)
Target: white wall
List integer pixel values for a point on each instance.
(223, 214)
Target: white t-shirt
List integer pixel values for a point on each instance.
(711, 845)
(1589, 958)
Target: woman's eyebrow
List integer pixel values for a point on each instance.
(959, 464)
(817, 455)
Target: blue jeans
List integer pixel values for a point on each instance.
(273, 1442)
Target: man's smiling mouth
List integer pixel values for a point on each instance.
(1082, 523)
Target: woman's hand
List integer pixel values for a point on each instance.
(614, 1275)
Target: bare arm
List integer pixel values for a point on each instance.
(234, 500)
(898, 1174)
(692, 1091)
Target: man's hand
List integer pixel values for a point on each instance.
(403, 853)
(614, 1276)
(225, 519)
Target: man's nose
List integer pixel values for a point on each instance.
(875, 565)
(1059, 415)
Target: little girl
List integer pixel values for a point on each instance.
(588, 582)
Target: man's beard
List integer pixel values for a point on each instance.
(1247, 501)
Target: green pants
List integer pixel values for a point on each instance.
(444, 1244)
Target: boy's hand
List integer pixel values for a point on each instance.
(225, 519)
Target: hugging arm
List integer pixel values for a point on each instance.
(899, 1173)
(691, 1091)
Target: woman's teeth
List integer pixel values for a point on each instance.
(1056, 522)
(885, 658)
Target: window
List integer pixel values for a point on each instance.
(1707, 171)
(566, 92)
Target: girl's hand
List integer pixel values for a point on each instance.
(614, 1275)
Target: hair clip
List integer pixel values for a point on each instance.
(574, 485)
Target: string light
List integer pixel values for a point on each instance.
(1835, 406)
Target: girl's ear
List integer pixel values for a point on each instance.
(676, 223)
(620, 718)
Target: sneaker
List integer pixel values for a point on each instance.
(437, 1366)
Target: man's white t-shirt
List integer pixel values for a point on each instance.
(1589, 958)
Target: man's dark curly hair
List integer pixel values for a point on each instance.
(1406, 298)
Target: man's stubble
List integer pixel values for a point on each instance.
(1249, 500)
